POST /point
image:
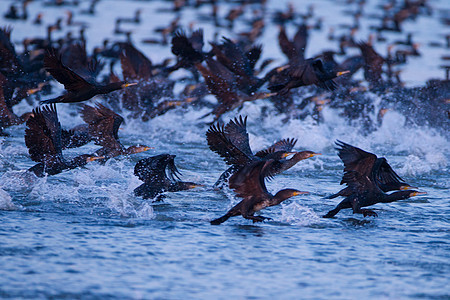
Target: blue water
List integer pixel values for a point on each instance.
(83, 234)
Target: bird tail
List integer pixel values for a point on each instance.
(49, 101)
(221, 219)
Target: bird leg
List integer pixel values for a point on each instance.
(256, 219)
(344, 204)
(368, 212)
(159, 198)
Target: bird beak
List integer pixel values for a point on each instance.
(279, 69)
(147, 148)
(314, 154)
(286, 154)
(418, 193)
(174, 103)
(407, 187)
(190, 99)
(342, 73)
(267, 95)
(94, 158)
(128, 84)
(193, 186)
(33, 91)
(300, 193)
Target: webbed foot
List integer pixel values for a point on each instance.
(260, 219)
(368, 213)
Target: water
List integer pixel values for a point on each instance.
(83, 234)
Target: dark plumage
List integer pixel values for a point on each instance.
(231, 142)
(295, 49)
(249, 184)
(78, 88)
(368, 164)
(311, 71)
(103, 126)
(43, 139)
(7, 116)
(373, 63)
(220, 82)
(188, 49)
(159, 174)
(368, 178)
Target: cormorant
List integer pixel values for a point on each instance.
(103, 127)
(79, 89)
(368, 178)
(231, 142)
(249, 184)
(43, 140)
(368, 164)
(159, 174)
(310, 71)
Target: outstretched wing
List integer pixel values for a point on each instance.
(43, 134)
(151, 169)
(285, 145)
(236, 131)
(219, 142)
(384, 174)
(355, 159)
(103, 123)
(248, 182)
(72, 81)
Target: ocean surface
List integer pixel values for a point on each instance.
(82, 234)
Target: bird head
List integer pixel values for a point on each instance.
(93, 158)
(288, 193)
(305, 154)
(138, 149)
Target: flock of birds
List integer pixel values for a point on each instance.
(230, 74)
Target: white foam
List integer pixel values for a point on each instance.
(6, 201)
(296, 214)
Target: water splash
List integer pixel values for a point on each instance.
(296, 214)
(6, 201)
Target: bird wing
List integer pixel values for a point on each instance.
(236, 131)
(103, 123)
(359, 183)
(152, 169)
(287, 47)
(218, 85)
(300, 41)
(196, 40)
(355, 159)
(248, 182)
(43, 134)
(253, 55)
(72, 81)
(8, 57)
(219, 142)
(285, 145)
(384, 174)
(172, 171)
(232, 56)
(135, 65)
